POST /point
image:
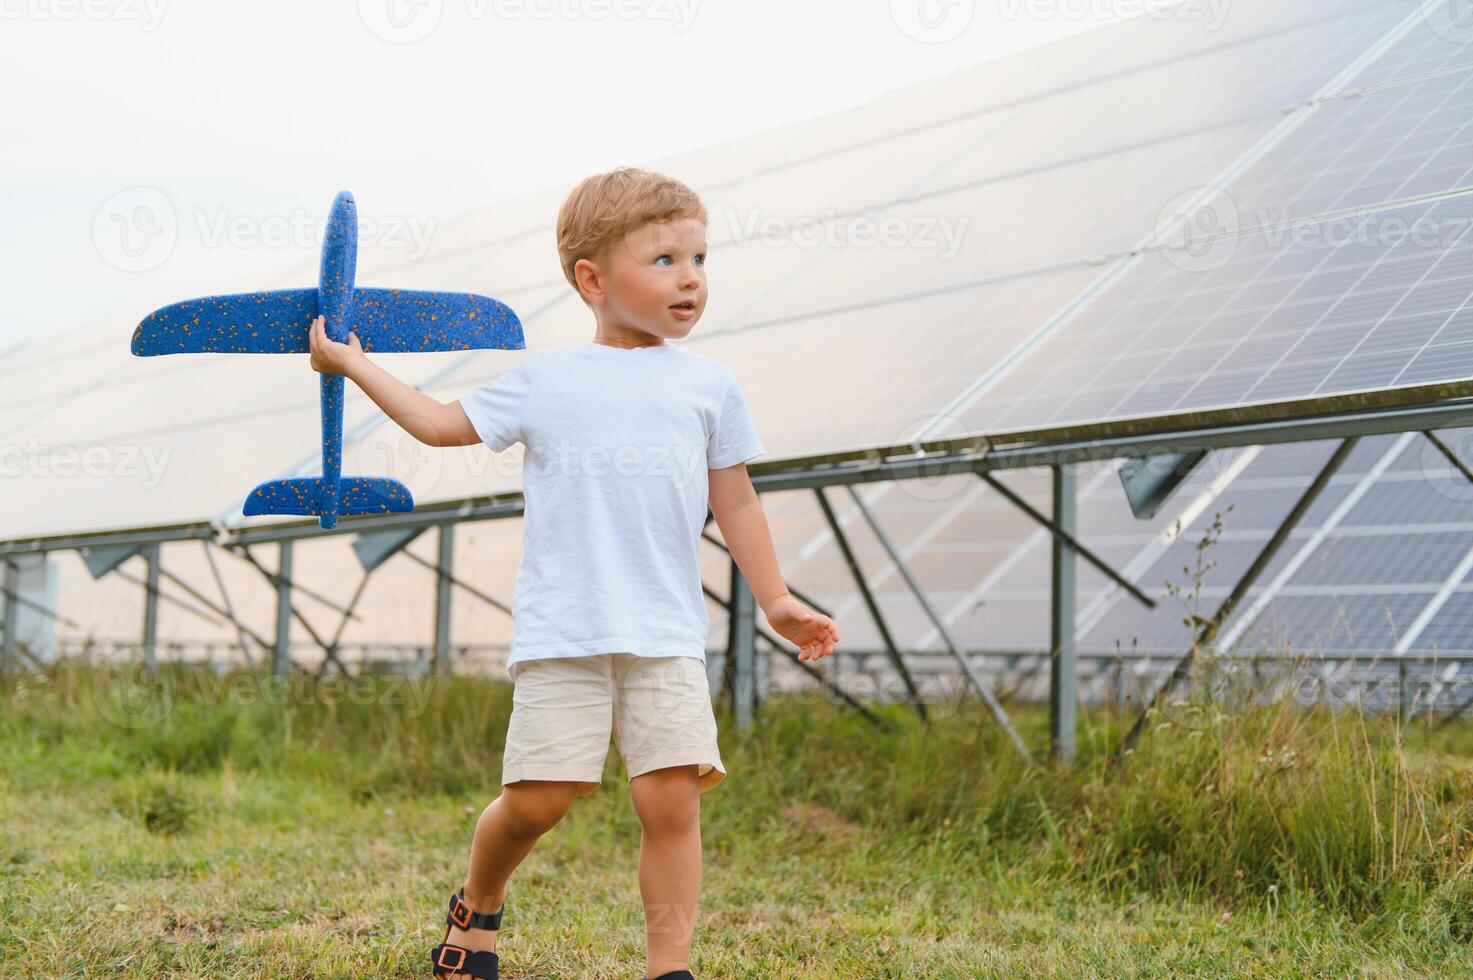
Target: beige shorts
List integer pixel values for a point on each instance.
(564, 709)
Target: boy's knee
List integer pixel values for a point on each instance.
(535, 806)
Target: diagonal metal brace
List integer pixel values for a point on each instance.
(1210, 628)
(869, 601)
(984, 690)
(1068, 538)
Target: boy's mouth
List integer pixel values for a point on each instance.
(686, 305)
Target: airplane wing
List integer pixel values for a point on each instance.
(276, 322)
(401, 320)
(239, 323)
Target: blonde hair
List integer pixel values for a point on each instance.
(604, 208)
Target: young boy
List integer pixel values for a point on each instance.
(628, 440)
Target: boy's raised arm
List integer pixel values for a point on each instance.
(429, 420)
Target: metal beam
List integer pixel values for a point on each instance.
(443, 571)
(459, 583)
(740, 669)
(1068, 536)
(1063, 668)
(281, 655)
(151, 605)
(12, 591)
(240, 629)
(1210, 628)
(983, 689)
(874, 608)
(1444, 405)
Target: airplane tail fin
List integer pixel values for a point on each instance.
(305, 497)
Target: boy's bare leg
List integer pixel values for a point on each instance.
(505, 834)
(668, 802)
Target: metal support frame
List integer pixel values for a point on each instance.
(874, 609)
(739, 672)
(281, 654)
(1210, 628)
(9, 653)
(826, 681)
(151, 554)
(490, 600)
(1063, 666)
(984, 690)
(229, 609)
(1067, 535)
(443, 571)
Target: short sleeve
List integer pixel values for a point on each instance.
(734, 439)
(498, 409)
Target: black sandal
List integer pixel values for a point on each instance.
(448, 958)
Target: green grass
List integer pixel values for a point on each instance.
(211, 833)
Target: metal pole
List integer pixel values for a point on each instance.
(443, 572)
(12, 589)
(151, 606)
(741, 649)
(281, 655)
(1063, 668)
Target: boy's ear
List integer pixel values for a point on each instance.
(590, 280)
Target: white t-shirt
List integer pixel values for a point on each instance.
(618, 442)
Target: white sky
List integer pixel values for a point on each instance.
(250, 108)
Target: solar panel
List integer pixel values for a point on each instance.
(1367, 301)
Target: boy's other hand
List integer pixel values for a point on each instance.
(329, 356)
(813, 633)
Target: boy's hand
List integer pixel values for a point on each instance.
(329, 356)
(813, 633)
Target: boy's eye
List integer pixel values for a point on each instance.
(661, 257)
(700, 259)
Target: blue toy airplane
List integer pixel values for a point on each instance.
(277, 322)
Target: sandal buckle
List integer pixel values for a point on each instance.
(452, 967)
(460, 912)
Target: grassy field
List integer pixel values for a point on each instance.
(200, 830)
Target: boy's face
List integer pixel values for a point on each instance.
(655, 281)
